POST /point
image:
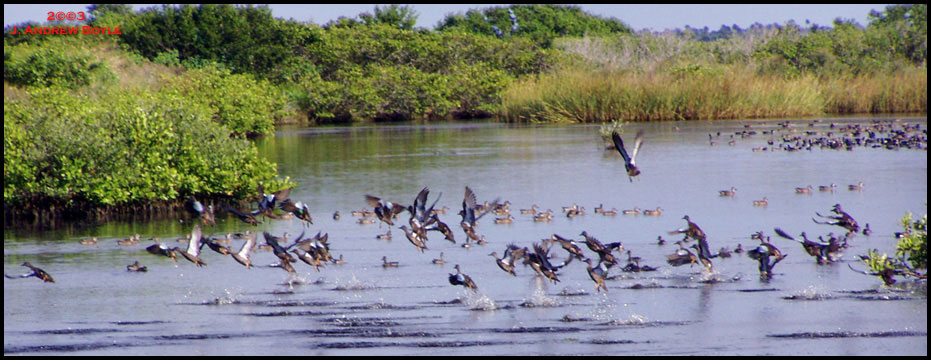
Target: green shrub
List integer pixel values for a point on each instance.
(50, 67)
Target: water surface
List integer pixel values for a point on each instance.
(96, 307)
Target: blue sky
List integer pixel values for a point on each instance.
(654, 17)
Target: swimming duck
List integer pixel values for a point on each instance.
(462, 279)
(867, 231)
(92, 241)
(657, 212)
(364, 221)
(336, 215)
(730, 192)
(532, 210)
(414, 238)
(681, 257)
(243, 256)
(660, 240)
(804, 190)
(386, 263)
(339, 261)
(38, 273)
(546, 216)
(857, 187)
(505, 220)
(439, 261)
(441, 211)
(135, 267)
(763, 202)
(193, 247)
(132, 240)
(599, 209)
(385, 236)
(739, 249)
(612, 212)
(632, 259)
(575, 212)
(629, 160)
(635, 211)
(359, 212)
(827, 187)
(597, 274)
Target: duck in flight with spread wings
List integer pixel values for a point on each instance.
(629, 159)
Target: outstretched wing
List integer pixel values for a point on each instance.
(638, 142)
(619, 145)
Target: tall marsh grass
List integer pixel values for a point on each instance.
(690, 94)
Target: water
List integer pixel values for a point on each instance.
(96, 307)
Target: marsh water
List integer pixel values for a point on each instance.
(96, 307)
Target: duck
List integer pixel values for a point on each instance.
(384, 210)
(599, 209)
(205, 213)
(385, 236)
(569, 245)
(803, 190)
(300, 210)
(660, 240)
(604, 252)
(307, 258)
(439, 261)
(612, 212)
(503, 264)
(635, 211)
(440, 211)
(739, 249)
(575, 212)
(597, 274)
(246, 218)
(866, 230)
(336, 215)
(442, 228)
(505, 220)
(633, 259)
(364, 221)
(193, 248)
(213, 245)
(462, 279)
(532, 210)
(386, 263)
(763, 202)
(724, 253)
(827, 187)
(414, 238)
(244, 253)
(730, 192)
(280, 252)
(546, 216)
(657, 212)
(359, 212)
(132, 240)
(161, 249)
(629, 160)
(857, 187)
(135, 267)
(339, 261)
(690, 231)
(681, 257)
(37, 272)
(92, 241)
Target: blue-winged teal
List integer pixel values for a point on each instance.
(822, 253)
(503, 263)
(566, 209)
(575, 212)
(385, 236)
(657, 212)
(339, 261)
(215, 246)
(612, 212)
(569, 245)
(546, 216)
(386, 263)
(132, 240)
(442, 228)
(599, 209)
(358, 212)
(635, 211)
(739, 249)
(92, 241)
(843, 219)
(469, 219)
(660, 240)
(279, 251)
(724, 252)
(439, 261)
(730, 192)
(161, 249)
(604, 252)
(804, 190)
(300, 210)
(505, 220)
(308, 259)
(681, 257)
(629, 160)
(38, 273)
(384, 210)
(193, 247)
(135, 267)
(867, 231)
(763, 202)
(462, 279)
(243, 256)
(336, 215)
(857, 187)
(414, 238)
(246, 218)
(827, 187)
(440, 211)
(364, 221)
(531, 211)
(691, 231)
(597, 274)
(205, 213)
(633, 259)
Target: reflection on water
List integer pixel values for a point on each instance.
(360, 308)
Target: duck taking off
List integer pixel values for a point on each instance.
(629, 159)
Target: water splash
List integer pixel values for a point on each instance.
(478, 301)
(810, 293)
(353, 284)
(538, 295)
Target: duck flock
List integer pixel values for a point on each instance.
(600, 259)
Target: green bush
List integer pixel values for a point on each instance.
(122, 148)
(50, 67)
